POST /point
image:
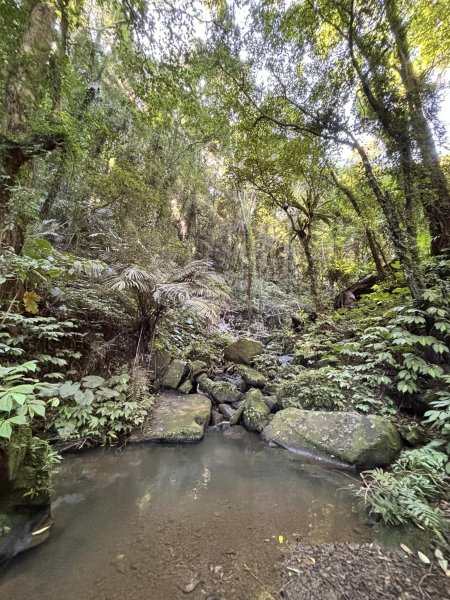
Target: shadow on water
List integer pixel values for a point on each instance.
(145, 521)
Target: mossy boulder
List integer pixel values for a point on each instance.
(186, 387)
(239, 412)
(251, 377)
(220, 391)
(243, 351)
(35, 473)
(160, 361)
(271, 403)
(256, 412)
(174, 374)
(14, 451)
(176, 419)
(198, 367)
(25, 466)
(361, 440)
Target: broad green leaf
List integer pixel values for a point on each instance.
(5, 429)
(18, 420)
(93, 381)
(69, 388)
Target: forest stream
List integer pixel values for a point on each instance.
(207, 520)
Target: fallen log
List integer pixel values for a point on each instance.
(348, 297)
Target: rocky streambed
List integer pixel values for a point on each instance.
(240, 394)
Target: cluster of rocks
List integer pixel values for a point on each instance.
(240, 394)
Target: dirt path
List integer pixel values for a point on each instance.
(359, 572)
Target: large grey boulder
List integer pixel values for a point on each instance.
(361, 440)
(243, 351)
(256, 412)
(174, 374)
(176, 419)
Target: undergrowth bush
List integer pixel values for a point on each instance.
(97, 410)
(406, 491)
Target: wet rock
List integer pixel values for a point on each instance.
(256, 412)
(176, 419)
(239, 413)
(243, 351)
(175, 373)
(227, 411)
(216, 418)
(361, 440)
(252, 377)
(235, 433)
(220, 391)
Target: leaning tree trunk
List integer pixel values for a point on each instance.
(405, 246)
(437, 207)
(370, 234)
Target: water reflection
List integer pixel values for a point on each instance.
(223, 497)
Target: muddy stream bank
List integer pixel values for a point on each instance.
(162, 522)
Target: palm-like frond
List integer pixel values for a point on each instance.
(195, 286)
(133, 278)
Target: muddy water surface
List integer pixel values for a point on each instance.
(189, 521)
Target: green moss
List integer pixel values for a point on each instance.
(251, 376)
(256, 412)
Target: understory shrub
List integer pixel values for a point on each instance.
(409, 490)
(97, 410)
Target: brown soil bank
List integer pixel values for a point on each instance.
(359, 572)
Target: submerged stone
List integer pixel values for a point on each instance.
(176, 419)
(361, 440)
(243, 351)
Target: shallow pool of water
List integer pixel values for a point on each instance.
(153, 521)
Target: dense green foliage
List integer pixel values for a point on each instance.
(274, 168)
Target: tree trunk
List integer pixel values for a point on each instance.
(251, 255)
(25, 88)
(311, 271)
(405, 246)
(370, 234)
(438, 207)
